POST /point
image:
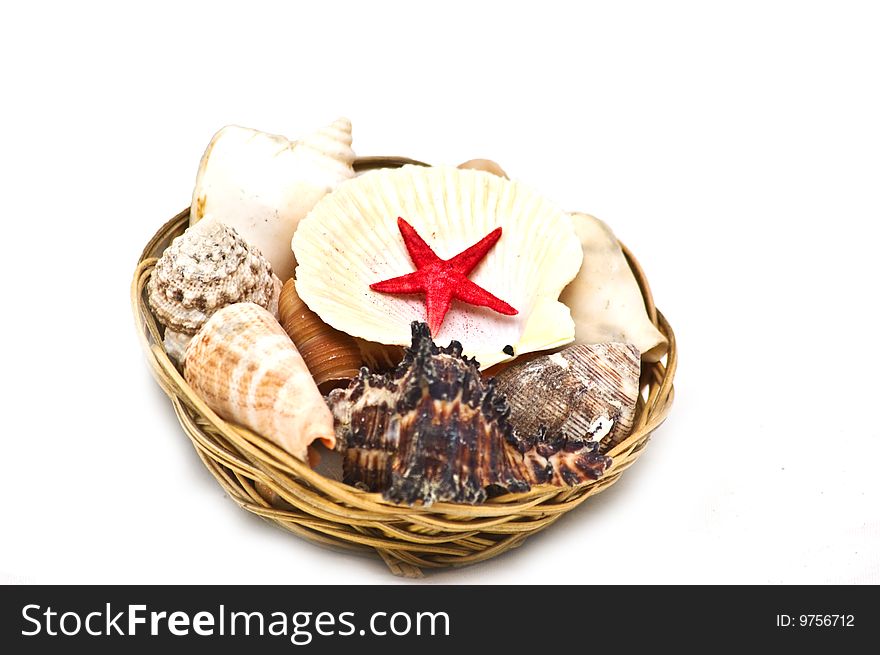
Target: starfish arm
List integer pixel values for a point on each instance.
(410, 283)
(477, 295)
(437, 302)
(465, 261)
(419, 252)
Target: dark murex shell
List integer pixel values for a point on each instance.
(434, 430)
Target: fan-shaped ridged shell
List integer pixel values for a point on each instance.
(583, 393)
(332, 356)
(605, 299)
(205, 269)
(264, 184)
(246, 368)
(351, 239)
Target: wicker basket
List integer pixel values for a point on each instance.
(267, 481)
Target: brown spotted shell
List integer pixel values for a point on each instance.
(332, 356)
(205, 269)
(583, 393)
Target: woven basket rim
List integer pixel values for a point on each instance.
(321, 509)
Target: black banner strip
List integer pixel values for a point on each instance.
(427, 619)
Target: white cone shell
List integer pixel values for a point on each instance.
(351, 239)
(264, 184)
(605, 299)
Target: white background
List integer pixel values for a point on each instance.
(735, 149)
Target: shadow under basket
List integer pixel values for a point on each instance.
(269, 482)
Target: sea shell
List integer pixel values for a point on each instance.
(206, 268)
(244, 366)
(484, 165)
(584, 393)
(332, 356)
(176, 343)
(558, 459)
(351, 239)
(434, 430)
(379, 356)
(431, 431)
(605, 299)
(263, 184)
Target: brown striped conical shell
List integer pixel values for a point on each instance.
(584, 392)
(245, 367)
(333, 357)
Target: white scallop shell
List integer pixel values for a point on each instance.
(351, 239)
(264, 184)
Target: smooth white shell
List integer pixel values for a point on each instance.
(605, 299)
(264, 184)
(351, 239)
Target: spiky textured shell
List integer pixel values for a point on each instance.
(264, 184)
(245, 367)
(351, 239)
(434, 430)
(332, 356)
(583, 392)
(431, 431)
(605, 299)
(205, 269)
(558, 459)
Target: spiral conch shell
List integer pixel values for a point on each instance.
(351, 239)
(332, 356)
(263, 184)
(205, 269)
(605, 299)
(245, 367)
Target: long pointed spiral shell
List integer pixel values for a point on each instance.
(245, 367)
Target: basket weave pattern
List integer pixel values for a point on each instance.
(270, 483)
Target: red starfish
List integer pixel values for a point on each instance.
(441, 280)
